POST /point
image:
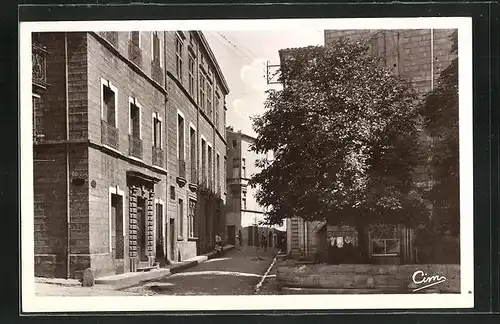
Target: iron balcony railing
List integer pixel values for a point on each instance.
(157, 71)
(135, 146)
(135, 53)
(110, 36)
(39, 66)
(109, 134)
(182, 168)
(157, 156)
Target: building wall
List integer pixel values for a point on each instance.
(408, 52)
(91, 58)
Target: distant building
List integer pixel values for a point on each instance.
(243, 213)
(129, 146)
(419, 56)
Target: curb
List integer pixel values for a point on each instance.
(131, 279)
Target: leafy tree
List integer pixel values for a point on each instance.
(344, 138)
(440, 112)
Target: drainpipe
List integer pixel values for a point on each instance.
(167, 217)
(68, 264)
(199, 243)
(432, 59)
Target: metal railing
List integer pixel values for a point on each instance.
(182, 168)
(134, 53)
(39, 66)
(157, 156)
(109, 134)
(135, 146)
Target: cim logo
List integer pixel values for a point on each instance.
(421, 278)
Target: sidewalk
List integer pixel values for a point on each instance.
(114, 284)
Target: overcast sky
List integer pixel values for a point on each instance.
(242, 56)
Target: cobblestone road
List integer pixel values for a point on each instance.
(237, 272)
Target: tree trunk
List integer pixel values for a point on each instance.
(362, 243)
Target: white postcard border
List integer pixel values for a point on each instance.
(32, 303)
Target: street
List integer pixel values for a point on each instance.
(236, 272)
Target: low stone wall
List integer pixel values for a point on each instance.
(365, 277)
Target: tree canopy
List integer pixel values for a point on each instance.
(440, 112)
(344, 135)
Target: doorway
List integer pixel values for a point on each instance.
(117, 238)
(142, 226)
(173, 256)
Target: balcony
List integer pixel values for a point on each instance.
(39, 66)
(157, 71)
(109, 134)
(181, 178)
(157, 156)
(193, 179)
(135, 146)
(111, 37)
(135, 53)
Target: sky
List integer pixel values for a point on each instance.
(242, 57)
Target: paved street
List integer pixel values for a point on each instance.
(237, 272)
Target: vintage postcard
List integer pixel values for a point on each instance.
(172, 165)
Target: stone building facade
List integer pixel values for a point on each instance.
(243, 213)
(415, 55)
(110, 116)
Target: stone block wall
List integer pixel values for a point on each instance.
(368, 277)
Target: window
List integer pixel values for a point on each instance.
(203, 160)
(37, 117)
(191, 218)
(109, 103)
(383, 247)
(156, 131)
(210, 166)
(217, 174)
(236, 168)
(135, 38)
(244, 203)
(191, 75)
(180, 136)
(135, 118)
(202, 92)
(224, 122)
(234, 143)
(192, 153)
(243, 168)
(156, 49)
(209, 100)
(159, 224)
(217, 106)
(178, 57)
(180, 223)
